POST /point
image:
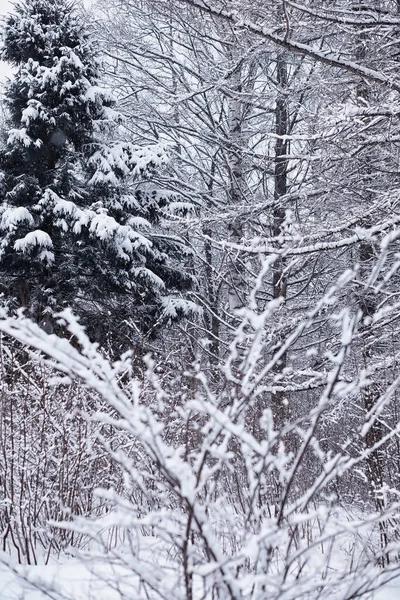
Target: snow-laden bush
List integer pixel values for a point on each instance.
(50, 458)
(215, 495)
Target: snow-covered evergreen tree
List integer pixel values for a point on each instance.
(79, 218)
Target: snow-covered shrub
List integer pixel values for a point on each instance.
(50, 457)
(215, 495)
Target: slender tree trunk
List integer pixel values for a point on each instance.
(211, 316)
(367, 303)
(236, 185)
(279, 278)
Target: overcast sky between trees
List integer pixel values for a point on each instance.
(5, 7)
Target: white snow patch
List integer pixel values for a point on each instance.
(14, 215)
(33, 238)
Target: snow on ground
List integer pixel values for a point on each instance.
(68, 581)
(391, 591)
(74, 581)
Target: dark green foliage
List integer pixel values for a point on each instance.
(80, 220)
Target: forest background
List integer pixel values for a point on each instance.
(199, 275)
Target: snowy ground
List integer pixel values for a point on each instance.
(73, 581)
(389, 592)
